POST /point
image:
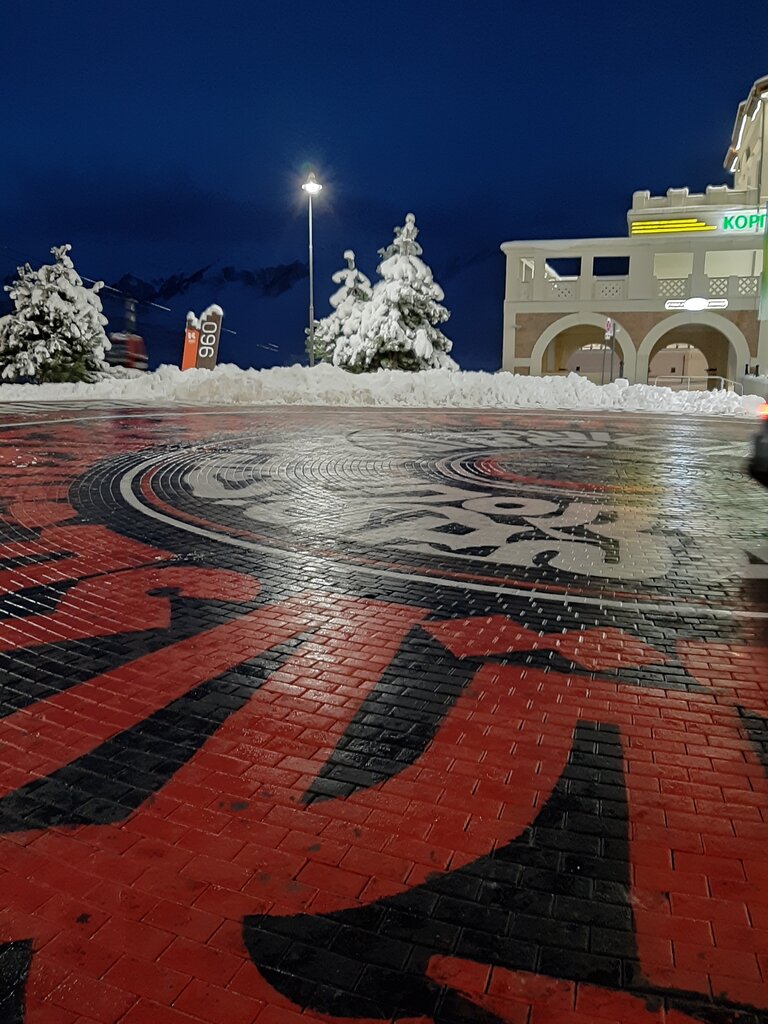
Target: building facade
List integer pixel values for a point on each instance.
(687, 276)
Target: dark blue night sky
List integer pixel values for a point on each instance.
(165, 138)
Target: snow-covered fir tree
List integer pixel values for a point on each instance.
(399, 328)
(56, 330)
(348, 304)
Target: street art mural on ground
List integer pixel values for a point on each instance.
(378, 716)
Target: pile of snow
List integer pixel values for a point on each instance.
(330, 385)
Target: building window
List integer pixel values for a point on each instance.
(564, 267)
(610, 266)
(672, 265)
(732, 262)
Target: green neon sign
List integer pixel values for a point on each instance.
(753, 221)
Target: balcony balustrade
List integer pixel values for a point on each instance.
(707, 287)
(615, 290)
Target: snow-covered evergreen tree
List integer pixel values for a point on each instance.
(348, 304)
(399, 328)
(56, 330)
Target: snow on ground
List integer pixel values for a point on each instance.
(330, 385)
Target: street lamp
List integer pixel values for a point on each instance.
(311, 187)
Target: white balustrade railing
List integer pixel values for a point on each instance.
(703, 383)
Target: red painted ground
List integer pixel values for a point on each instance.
(343, 716)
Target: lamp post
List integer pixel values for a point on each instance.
(311, 187)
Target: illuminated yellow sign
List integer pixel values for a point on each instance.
(739, 221)
(672, 226)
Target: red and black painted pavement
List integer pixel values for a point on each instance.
(369, 716)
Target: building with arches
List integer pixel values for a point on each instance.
(682, 288)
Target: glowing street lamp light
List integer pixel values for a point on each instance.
(311, 187)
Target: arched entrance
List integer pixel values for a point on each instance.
(596, 361)
(715, 350)
(720, 341)
(566, 336)
(677, 359)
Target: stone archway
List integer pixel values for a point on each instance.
(624, 341)
(673, 358)
(707, 323)
(593, 359)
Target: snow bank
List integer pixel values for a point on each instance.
(329, 385)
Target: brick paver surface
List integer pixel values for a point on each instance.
(368, 716)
